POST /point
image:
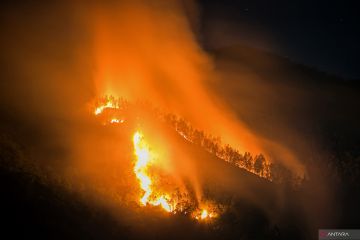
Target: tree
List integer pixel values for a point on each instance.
(259, 164)
(248, 161)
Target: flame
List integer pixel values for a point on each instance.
(204, 214)
(163, 203)
(144, 160)
(108, 104)
(116, 120)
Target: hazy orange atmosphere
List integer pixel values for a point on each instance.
(117, 107)
(166, 67)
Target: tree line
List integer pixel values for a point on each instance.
(256, 164)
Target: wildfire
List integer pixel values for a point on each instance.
(144, 160)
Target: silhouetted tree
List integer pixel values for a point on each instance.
(248, 161)
(259, 164)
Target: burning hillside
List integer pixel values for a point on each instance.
(158, 177)
(115, 110)
(159, 187)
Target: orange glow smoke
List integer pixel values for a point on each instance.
(147, 51)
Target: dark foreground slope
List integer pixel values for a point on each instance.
(34, 208)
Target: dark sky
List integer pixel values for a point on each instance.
(323, 34)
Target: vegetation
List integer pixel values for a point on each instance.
(255, 164)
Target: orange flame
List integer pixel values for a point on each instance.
(144, 159)
(204, 214)
(108, 104)
(116, 120)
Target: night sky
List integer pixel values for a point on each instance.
(319, 33)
